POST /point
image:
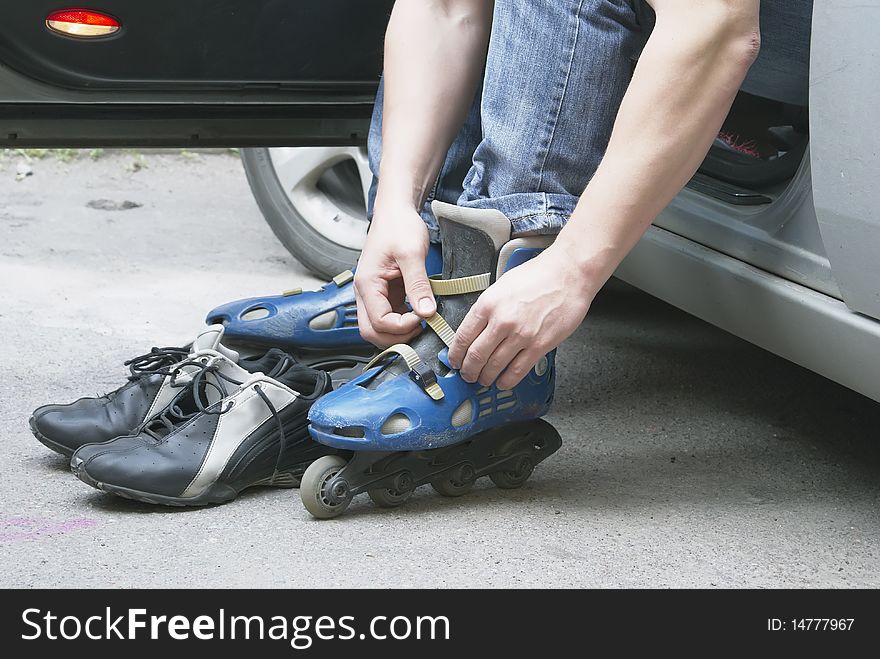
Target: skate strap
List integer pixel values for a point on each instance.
(441, 328)
(343, 278)
(461, 285)
(419, 372)
(457, 286)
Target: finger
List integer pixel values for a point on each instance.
(519, 368)
(478, 353)
(369, 333)
(418, 288)
(374, 296)
(474, 322)
(365, 327)
(504, 354)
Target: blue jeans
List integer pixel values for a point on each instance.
(555, 75)
(556, 72)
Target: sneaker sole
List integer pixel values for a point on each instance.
(216, 494)
(48, 443)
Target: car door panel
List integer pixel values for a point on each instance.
(167, 44)
(846, 168)
(207, 72)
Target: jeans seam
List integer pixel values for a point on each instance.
(432, 195)
(577, 27)
(544, 214)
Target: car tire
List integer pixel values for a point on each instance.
(313, 198)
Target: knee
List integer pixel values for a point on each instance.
(464, 13)
(731, 27)
(741, 28)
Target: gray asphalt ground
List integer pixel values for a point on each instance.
(691, 458)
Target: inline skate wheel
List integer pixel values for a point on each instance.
(456, 485)
(314, 492)
(512, 478)
(385, 498)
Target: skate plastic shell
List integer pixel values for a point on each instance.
(356, 410)
(287, 319)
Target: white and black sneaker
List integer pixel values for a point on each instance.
(149, 390)
(201, 451)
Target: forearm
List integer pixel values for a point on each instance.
(686, 79)
(434, 53)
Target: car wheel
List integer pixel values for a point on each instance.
(314, 200)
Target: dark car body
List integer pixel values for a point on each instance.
(201, 72)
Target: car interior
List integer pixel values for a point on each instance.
(751, 198)
(765, 136)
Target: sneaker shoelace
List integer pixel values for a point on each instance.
(281, 367)
(158, 360)
(196, 390)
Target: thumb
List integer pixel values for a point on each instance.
(418, 288)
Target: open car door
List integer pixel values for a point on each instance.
(203, 72)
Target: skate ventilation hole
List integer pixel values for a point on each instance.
(463, 414)
(257, 313)
(542, 366)
(323, 321)
(351, 431)
(350, 318)
(396, 423)
(495, 401)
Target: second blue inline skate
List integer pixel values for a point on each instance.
(410, 419)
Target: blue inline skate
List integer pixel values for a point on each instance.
(410, 419)
(308, 324)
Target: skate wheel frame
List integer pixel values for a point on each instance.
(507, 454)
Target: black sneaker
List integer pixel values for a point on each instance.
(212, 376)
(199, 452)
(149, 390)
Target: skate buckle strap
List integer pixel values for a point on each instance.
(441, 328)
(343, 278)
(461, 285)
(457, 286)
(419, 371)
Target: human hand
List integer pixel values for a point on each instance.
(524, 315)
(390, 269)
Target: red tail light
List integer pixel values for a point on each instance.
(82, 23)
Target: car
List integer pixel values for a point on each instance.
(782, 252)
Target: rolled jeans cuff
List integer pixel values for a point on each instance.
(530, 213)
